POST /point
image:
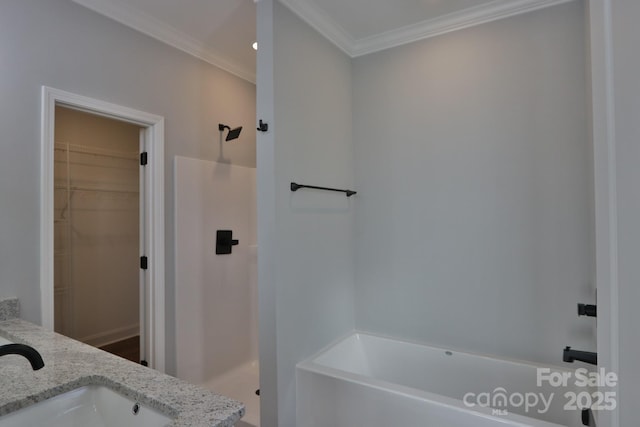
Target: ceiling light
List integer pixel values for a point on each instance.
(255, 45)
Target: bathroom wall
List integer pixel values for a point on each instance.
(96, 228)
(307, 235)
(474, 224)
(63, 45)
(626, 133)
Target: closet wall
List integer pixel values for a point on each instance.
(96, 228)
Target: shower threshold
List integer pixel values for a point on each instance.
(241, 384)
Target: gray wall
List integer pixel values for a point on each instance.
(626, 66)
(60, 44)
(474, 220)
(310, 240)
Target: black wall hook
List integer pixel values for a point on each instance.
(262, 126)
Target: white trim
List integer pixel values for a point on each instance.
(109, 337)
(143, 284)
(317, 18)
(270, 396)
(155, 201)
(466, 18)
(146, 24)
(46, 209)
(606, 216)
(309, 12)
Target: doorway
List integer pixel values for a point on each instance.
(97, 223)
(149, 261)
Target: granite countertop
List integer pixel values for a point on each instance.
(70, 364)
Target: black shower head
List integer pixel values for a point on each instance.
(233, 133)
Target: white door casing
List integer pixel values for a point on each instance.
(153, 202)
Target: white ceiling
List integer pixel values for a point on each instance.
(397, 14)
(221, 31)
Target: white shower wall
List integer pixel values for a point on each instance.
(474, 175)
(216, 295)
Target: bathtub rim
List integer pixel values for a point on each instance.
(311, 365)
(357, 333)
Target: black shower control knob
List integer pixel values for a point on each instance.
(587, 310)
(224, 242)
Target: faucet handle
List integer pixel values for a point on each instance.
(587, 310)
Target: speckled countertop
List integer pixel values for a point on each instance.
(70, 364)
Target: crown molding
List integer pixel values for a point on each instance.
(491, 11)
(152, 27)
(322, 23)
(309, 12)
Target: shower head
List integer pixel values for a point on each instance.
(233, 133)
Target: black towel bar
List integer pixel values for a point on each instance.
(296, 187)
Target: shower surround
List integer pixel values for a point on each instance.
(216, 295)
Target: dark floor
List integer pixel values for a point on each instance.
(128, 349)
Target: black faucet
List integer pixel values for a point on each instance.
(569, 355)
(30, 353)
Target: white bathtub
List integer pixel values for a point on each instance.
(365, 380)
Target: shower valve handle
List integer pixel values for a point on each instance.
(224, 242)
(587, 310)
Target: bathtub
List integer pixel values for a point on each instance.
(371, 381)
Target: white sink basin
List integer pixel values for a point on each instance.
(95, 406)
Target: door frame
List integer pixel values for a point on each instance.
(153, 128)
